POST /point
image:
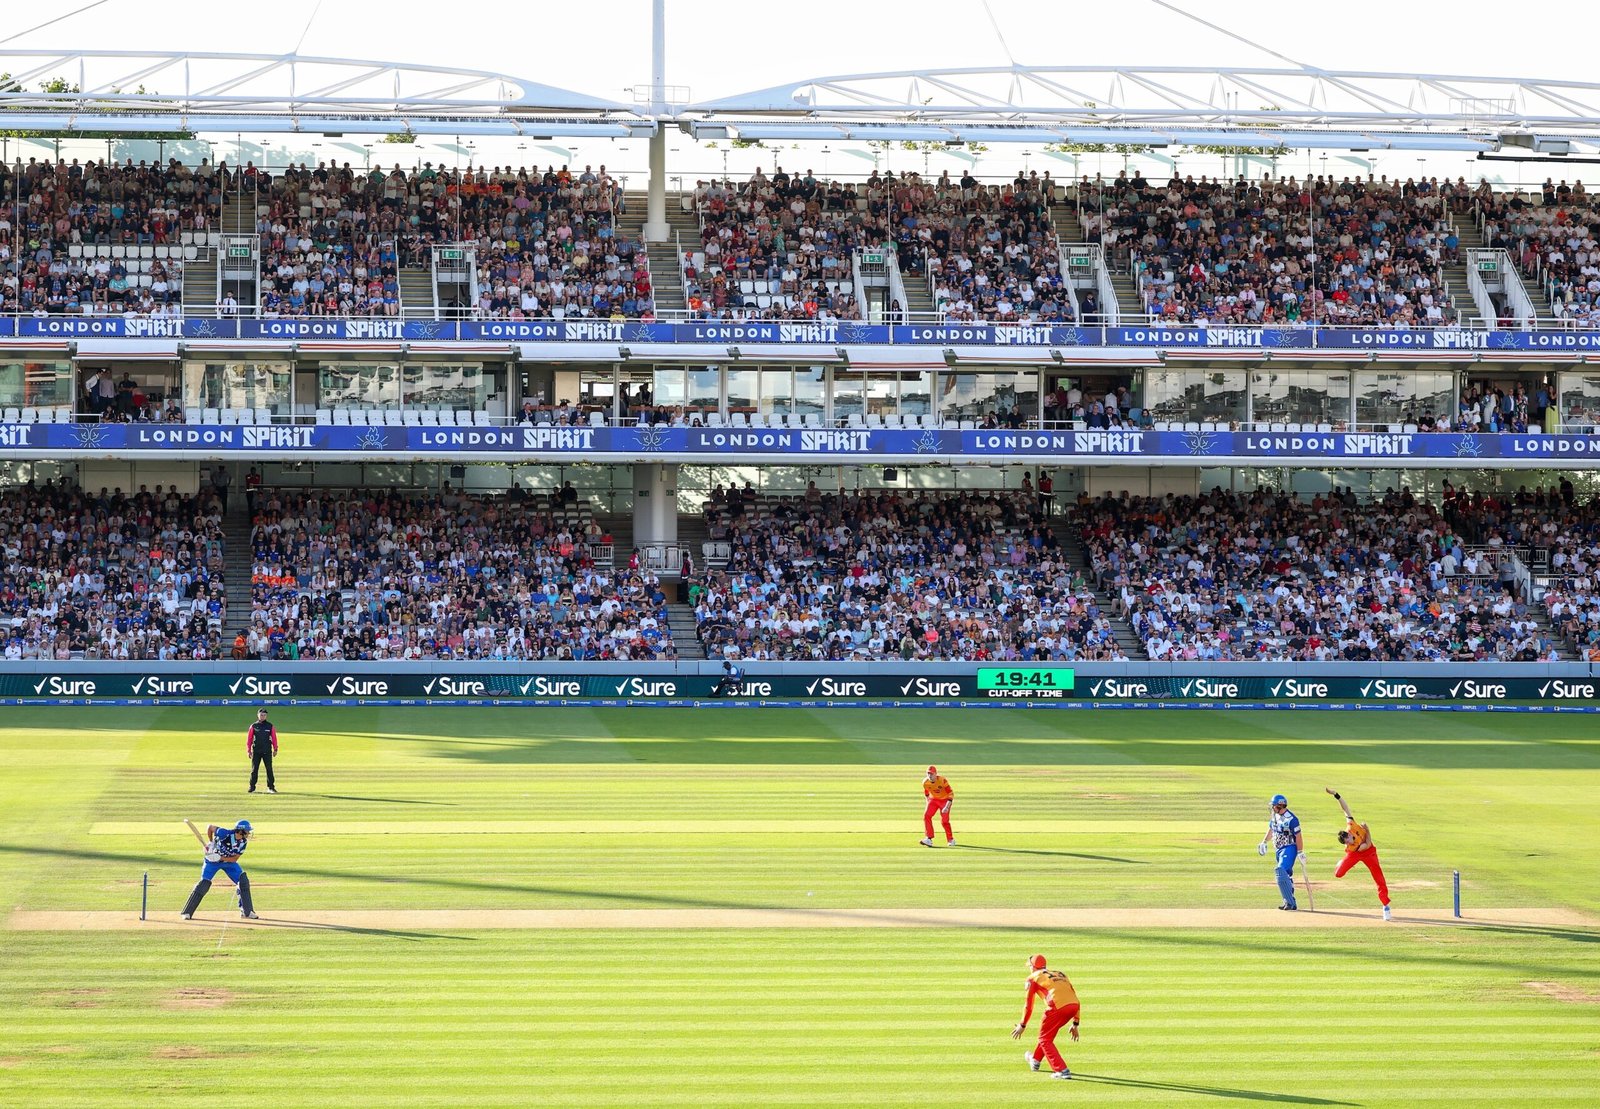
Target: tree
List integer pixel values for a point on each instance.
(406, 136)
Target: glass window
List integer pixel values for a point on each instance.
(1183, 396)
(974, 395)
(849, 394)
(1300, 396)
(597, 388)
(916, 392)
(450, 386)
(1580, 399)
(743, 388)
(705, 388)
(777, 392)
(237, 385)
(670, 388)
(883, 393)
(358, 385)
(810, 391)
(1400, 398)
(35, 384)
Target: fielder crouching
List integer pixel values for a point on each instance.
(222, 853)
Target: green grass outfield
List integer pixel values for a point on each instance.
(444, 808)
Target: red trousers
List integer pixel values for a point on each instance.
(1370, 859)
(937, 806)
(1054, 1021)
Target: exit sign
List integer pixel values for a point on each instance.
(1488, 265)
(1078, 261)
(450, 255)
(238, 252)
(872, 258)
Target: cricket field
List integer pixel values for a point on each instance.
(729, 907)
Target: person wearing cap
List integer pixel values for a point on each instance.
(261, 744)
(940, 796)
(223, 848)
(1283, 829)
(1061, 1008)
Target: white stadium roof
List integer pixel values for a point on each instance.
(1291, 107)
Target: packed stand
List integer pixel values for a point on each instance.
(989, 252)
(110, 575)
(892, 576)
(1347, 253)
(333, 240)
(1270, 577)
(392, 575)
(1561, 536)
(778, 248)
(1552, 241)
(92, 239)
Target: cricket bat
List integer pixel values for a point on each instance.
(196, 832)
(1311, 902)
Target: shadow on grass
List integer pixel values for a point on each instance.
(281, 922)
(1058, 854)
(375, 800)
(1208, 1091)
(578, 896)
(1254, 943)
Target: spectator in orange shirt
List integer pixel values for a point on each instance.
(1060, 1008)
(940, 796)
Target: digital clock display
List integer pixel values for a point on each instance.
(1038, 677)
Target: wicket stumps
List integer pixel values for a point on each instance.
(144, 896)
(1456, 887)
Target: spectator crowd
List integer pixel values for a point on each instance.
(100, 238)
(893, 576)
(1351, 253)
(376, 576)
(546, 246)
(1269, 576)
(111, 575)
(1552, 241)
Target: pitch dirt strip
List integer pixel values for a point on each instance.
(472, 920)
(268, 827)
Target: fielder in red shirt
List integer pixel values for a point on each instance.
(940, 796)
(1359, 848)
(1060, 1008)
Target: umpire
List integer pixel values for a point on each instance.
(261, 741)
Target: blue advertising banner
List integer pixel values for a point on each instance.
(1175, 447)
(775, 332)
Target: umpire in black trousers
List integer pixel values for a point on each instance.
(261, 741)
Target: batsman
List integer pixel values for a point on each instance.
(1283, 830)
(223, 848)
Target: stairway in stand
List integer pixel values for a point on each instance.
(681, 226)
(416, 293)
(680, 618)
(238, 215)
(1129, 304)
(1472, 239)
(919, 299)
(236, 567)
(200, 283)
(1078, 559)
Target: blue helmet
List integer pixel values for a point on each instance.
(242, 826)
(1279, 799)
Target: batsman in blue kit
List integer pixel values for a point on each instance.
(223, 848)
(1283, 829)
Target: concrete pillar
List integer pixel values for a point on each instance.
(655, 223)
(655, 511)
